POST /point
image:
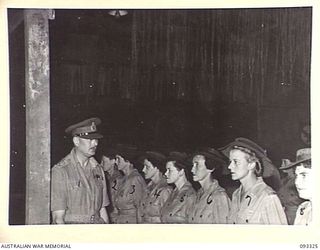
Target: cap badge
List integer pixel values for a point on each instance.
(93, 127)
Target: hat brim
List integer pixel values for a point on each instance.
(129, 154)
(91, 136)
(268, 168)
(96, 120)
(183, 163)
(293, 164)
(220, 162)
(226, 150)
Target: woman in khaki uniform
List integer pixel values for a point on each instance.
(114, 180)
(212, 203)
(131, 192)
(177, 207)
(303, 182)
(254, 202)
(158, 190)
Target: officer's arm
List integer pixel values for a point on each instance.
(58, 195)
(58, 216)
(104, 214)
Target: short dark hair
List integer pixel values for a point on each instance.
(157, 159)
(111, 154)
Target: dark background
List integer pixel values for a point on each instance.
(169, 80)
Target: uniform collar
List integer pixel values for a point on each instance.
(92, 162)
(162, 182)
(132, 172)
(214, 185)
(116, 173)
(185, 186)
(255, 189)
(306, 204)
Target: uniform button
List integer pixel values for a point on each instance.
(150, 202)
(170, 214)
(247, 221)
(201, 216)
(192, 218)
(234, 223)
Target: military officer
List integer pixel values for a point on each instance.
(303, 182)
(114, 179)
(132, 189)
(212, 203)
(254, 202)
(178, 205)
(78, 187)
(158, 191)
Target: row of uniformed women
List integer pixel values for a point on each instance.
(134, 201)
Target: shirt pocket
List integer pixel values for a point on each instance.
(247, 216)
(75, 185)
(77, 194)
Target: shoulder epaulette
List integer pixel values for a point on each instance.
(270, 191)
(264, 188)
(64, 162)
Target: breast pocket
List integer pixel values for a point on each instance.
(247, 216)
(75, 185)
(76, 193)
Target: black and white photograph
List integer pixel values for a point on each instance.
(133, 116)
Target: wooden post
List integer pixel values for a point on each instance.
(37, 87)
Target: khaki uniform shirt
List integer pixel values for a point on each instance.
(81, 192)
(210, 206)
(260, 205)
(304, 214)
(115, 181)
(177, 207)
(154, 200)
(128, 198)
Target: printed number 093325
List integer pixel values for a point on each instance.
(308, 246)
